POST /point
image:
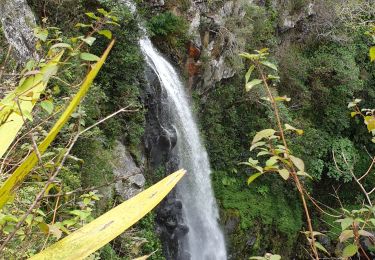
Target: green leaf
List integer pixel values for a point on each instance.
(350, 250)
(300, 173)
(82, 25)
(269, 64)
(106, 33)
(365, 233)
(61, 45)
(103, 12)
(273, 77)
(248, 73)
(252, 84)
(70, 222)
(89, 40)
(284, 173)
(298, 163)
(272, 161)
(80, 213)
(88, 56)
(320, 247)
(41, 34)
(26, 114)
(283, 98)
(275, 257)
(92, 15)
(258, 144)
(372, 53)
(370, 122)
(292, 128)
(48, 73)
(47, 105)
(55, 231)
(345, 223)
(353, 114)
(345, 235)
(253, 177)
(262, 153)
(266, 133)
(11, 184)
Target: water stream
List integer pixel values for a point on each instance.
(205, 240)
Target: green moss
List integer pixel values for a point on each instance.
(273, 217)
(147, 230)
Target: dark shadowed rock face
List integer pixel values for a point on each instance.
(17, 22)
(160, 139)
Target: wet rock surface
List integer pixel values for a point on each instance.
(160, 140)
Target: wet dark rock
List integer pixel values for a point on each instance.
(160, 140)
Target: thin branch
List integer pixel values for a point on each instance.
(40, 195)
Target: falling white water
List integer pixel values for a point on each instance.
(204, 239)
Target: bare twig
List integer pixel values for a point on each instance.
(51, 179)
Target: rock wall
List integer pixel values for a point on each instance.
(160, 139)
(17, 21)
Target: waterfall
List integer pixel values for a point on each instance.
(204, 240)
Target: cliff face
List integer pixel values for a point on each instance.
(218, 32)
(18, 22)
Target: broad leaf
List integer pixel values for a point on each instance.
(372, 53)
(253, 177)
(298, 163)
(106, 33)
(345, 223)
(113, 223)
(365, 233)
(284, 173)
(89, 40)
(345, 235)
(320, 247)
(47, 105)
(248, 73)
(269, 65)
(11, 184)
(252, 84)
(258, 144)
(88, 56)
(26, 93)
(350, 250)
(266, 133)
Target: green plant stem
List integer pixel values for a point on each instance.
(294, 174)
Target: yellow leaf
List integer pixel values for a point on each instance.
(372, 53)
(266, 133)
(284, 173)
(298, 163)
(370, 122)
(26, 93)
(23, 170)
(108, 226)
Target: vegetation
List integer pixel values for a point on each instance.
(292, 161)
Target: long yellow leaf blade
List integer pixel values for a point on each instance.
(27, 93)
(10, 185)
(108, 226)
